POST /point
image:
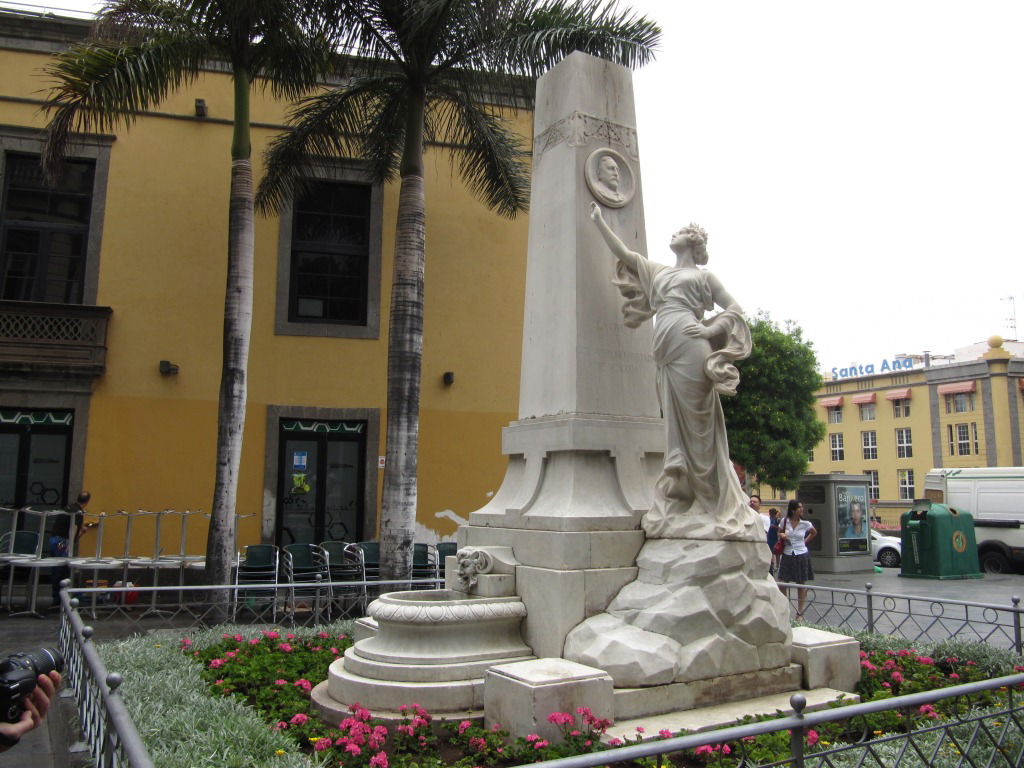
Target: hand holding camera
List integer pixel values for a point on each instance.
(28, 683)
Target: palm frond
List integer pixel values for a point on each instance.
(103, 85)
(538, 36)
(356, 120)
(490, 157)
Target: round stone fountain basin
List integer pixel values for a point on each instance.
(432, 647)
(440, 626)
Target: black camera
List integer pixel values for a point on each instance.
(18, 673)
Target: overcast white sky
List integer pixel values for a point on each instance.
(858, 165)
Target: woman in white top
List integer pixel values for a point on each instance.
(796, 560)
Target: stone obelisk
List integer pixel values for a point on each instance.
(588, 443)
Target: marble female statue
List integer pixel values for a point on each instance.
(698, 495)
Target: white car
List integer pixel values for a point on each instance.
(886, 550)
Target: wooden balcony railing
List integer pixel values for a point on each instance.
(37, 338)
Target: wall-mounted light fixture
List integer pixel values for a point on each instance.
(201, 110)
(448, 378)
(167, 368)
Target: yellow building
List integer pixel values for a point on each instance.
(111, 313)
(898, 424)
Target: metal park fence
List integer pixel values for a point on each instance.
(993, 738)
(915, 618)
(106, 725)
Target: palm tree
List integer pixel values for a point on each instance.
(140, 51)
(430, 69)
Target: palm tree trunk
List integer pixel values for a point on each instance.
(220, 543)
(405, 359)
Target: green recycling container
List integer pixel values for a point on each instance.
(938, 543)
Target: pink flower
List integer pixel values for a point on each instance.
(230, 654)
(322, 744)
(463, 726)
(238, 638)
(353, 748)
(639, 729)
(270, 635)
(380, 760)
(285, 647)
(304, 684)
(575, 732)
(406, 729)
(322, 635)
(299, 719)
(540, 744)
(560, 718)
(185, 642)
(289, 636)
(587, 743)
(254, 641)
(614, 742)
(479, 743)
(532, 737)
(954, 676)
(219, 682)
(281, 725)
(726, 749)
(665, 733)
(897, 677)
(812, 737)
(704, 749)
(280, 682)
(926, 659)
(886, 685)
(216, 663)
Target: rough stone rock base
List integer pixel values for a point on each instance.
(697, 609)
(633, 703)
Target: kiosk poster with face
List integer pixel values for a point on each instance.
(853, 530)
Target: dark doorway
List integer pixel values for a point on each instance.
(321, 471)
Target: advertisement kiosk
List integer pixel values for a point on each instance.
(837, 505)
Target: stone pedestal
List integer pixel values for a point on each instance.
(829, 660)
(519, 697)
(587, 447)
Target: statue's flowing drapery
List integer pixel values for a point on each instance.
(698, 495)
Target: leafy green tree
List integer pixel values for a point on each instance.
(771, 421)
(138, 53)
(432, 71)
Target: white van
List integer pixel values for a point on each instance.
(995, 498)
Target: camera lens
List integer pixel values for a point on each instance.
(44, 660)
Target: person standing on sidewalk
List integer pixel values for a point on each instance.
(796, 559)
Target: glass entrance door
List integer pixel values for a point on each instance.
(321, 473)
(35, 452)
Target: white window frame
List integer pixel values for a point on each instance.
(835, 414)
(963, 440)
(835, 440)
(869, 444)
(867, 411)
(905, 480)
(872, 483)
(904, 443)
(901, 408)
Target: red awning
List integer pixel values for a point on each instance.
(957, 387)
(867, 397)
(898, 394)
(1020, 383)
(831, 402)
